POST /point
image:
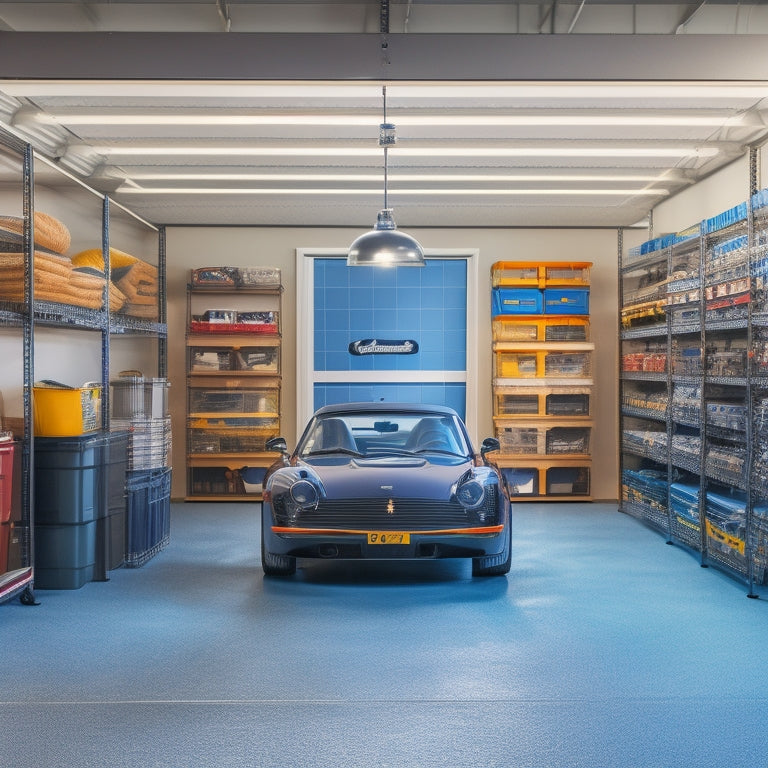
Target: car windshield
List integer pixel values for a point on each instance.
(379, 433)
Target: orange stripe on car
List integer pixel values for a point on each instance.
(350, 532)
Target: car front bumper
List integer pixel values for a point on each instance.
(363, 544)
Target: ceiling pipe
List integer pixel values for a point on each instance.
(549, 15)
(407, 15)
(576, 16)
(688, 18)
(222, 6)
(90, 13)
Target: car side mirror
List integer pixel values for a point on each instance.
(277, 444)
(489, 444)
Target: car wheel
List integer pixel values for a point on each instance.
(490, 565)
(276, 565)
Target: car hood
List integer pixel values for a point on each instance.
(387, 477)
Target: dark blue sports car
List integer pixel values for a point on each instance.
(385, 481)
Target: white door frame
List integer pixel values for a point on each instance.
(305, 336)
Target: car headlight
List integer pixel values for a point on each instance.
(292, 492)
(304, 494)
(470, 494)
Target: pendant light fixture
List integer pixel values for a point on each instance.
(385, 245)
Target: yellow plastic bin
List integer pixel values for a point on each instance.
(62, 411)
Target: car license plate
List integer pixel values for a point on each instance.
(389, 537)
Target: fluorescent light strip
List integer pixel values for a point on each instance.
(397, 177)
(227, 89)
(401, 120)
(292, 151)
(135, 190)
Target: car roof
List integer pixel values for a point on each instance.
(382, 406)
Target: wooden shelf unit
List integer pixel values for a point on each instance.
(233, 389)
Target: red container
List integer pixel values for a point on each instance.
(203, 326)
(5, 535)
(7, 453)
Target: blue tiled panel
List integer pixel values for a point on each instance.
(427, 305)
(453, 395)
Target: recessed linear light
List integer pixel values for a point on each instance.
(573, 120)
(347, 151)
(135, 190)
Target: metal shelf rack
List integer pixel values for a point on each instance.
(708, 451)
(25, 176)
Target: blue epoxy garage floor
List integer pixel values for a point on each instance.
(603, 647)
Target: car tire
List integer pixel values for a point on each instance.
(276, 565)
(490, 565)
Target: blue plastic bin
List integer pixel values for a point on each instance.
(65, 555)
(517, 301)
(566, 301)
(71, 473)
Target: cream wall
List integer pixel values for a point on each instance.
(715, 194)
(190, 247)
(67, 354)
(78, 358)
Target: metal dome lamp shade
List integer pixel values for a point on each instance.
(385, 245)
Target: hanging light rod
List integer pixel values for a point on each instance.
(385, 245)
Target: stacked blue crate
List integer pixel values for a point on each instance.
(685, 521)
(644, 492)
(726, 521)
(141, 406)
(148, 513)
(758, 543)
(535, 301)
(566, 301)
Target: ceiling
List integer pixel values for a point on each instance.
(304, 150)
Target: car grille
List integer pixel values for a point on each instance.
(404, 514)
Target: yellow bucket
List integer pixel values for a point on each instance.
(61, 411)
